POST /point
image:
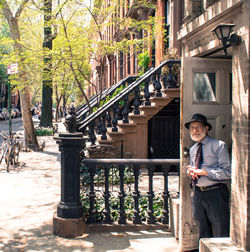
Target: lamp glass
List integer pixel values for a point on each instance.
(223, 31)
(226, 30)
(218, 33)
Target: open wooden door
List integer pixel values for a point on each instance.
(206, 89)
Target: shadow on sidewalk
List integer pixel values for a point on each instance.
(41, 239)
(51, 153)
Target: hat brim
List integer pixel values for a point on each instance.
(197, 120)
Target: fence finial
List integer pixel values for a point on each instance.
(71, 122)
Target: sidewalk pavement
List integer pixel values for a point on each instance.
(29, 197)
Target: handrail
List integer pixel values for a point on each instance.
(83, 109)
(80, 107)
(125, 92)
(133, 161)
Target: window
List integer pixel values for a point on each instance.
(204, 87)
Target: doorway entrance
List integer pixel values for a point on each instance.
(206, 89)
(164, 133)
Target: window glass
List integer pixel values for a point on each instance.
(204, 87)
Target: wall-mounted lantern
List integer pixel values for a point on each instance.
(223, 32)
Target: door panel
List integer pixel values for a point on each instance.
(217, 108)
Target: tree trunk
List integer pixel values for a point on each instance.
(64, 105)
(46, 119)
(58, 101)
(28, 125)
(29, 131)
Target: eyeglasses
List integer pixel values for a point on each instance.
(198, 127)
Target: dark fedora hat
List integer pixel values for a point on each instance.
(199, 118)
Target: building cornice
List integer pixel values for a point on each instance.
(222, 10)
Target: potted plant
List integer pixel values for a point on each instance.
(170, 73)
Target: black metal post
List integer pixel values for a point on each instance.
(106, 212)
(165, 195)
(136, 196)
(146, 93)
(122, 218)
(92, 211)
(158, 86)
(114, 120)
(125, 110)
(136, 101)
(150, 194)
(70, 145)
(109, 125)
(103, 127)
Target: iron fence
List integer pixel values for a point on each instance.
(112, 189)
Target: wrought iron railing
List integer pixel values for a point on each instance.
(83, 110)
(108, 115)
(106, 165)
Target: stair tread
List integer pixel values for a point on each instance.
(170, 91)
(152, 107)
(106, 141)
(116, 133)
(137, 116)
(160, 98)
(130, 124)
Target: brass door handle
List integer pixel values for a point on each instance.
(186, 152)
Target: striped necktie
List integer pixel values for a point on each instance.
(198, 160)
(198, 157)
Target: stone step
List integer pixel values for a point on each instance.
(138, 119)
(149, 110)
(116, 136)
(108, 141)
(172, 92)
(127, 131)
(127, 127)
(161, 101)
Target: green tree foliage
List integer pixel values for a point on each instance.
(101, 44)
(13, 13)
(143, 62)
(70, 52)
(81, 42)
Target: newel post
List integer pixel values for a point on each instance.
(69, 221)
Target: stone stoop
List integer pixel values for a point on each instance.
(174, 216)
(206, 244)
(218, 245)
(134, 135)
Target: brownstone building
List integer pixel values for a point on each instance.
(120, 65)
(215, 82)
(227, 75)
